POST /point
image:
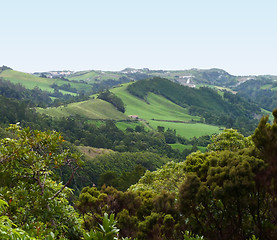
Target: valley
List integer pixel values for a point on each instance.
(133, 143)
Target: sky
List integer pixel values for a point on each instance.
(237, 36)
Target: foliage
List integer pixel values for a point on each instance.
(118, 169)
(38, 203)
(204, 102)
(106, 231)
(220, 192)
(8, 230)
(141, 214)
(254, 90)
(168, 178)
(34, 97)
(229, 139)
(189, 236)
(113, 99)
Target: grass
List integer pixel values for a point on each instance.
(157, 107)
(27, 80)
(85, 76)
(266, 86)
(265, 112)
(91, 109)
(188, 130)
(93, 76)
(91, 152)
(30, 81)
(132, 124)
(182, 147)
(160, 108)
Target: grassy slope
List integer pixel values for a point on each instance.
(181, 147)
(159, 108)
(162, 109)
(91, 76)
(188, 130)
(124, 125)
(91, 152)
(27, 80)
(265, 112)
(30, 81)
(92, 109)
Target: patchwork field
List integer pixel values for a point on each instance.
(159, 108)
(93, 76)
(156, 111)
(30, 81)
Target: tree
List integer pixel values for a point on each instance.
(229, 139)
(220, 197)
(37, 202)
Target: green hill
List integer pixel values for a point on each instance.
(161, 102)
(159, 111)
(94, 76)
(91, 109)
(225, 109)
(30, 81)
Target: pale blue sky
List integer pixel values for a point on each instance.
(238, 36)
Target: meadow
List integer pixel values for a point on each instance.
(182, 147)
(30, 81)
(91, 109)
(27, 80)
(159, 108)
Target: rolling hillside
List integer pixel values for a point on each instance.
(27, 80)
(31, 81)
(91, 109)
(159, 111)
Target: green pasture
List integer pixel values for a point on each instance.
(88, 76)
(182, 147)
(188, 130)
(93, 76)
(130, 124)
(266, 86)
(91, 109)
(30, 81)
(156, 107)
(160, 108)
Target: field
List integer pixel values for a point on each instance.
(157, 111)
(159, 108)
(30, 81)
(188, 130)
(91, 152)
(93, 76)
(129, 124)
(92, 109)
(265, 112)
(181, 147)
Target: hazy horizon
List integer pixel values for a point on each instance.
(237, 36)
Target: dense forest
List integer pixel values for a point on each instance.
(228, 192)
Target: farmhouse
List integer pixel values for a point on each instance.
(133, 116)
